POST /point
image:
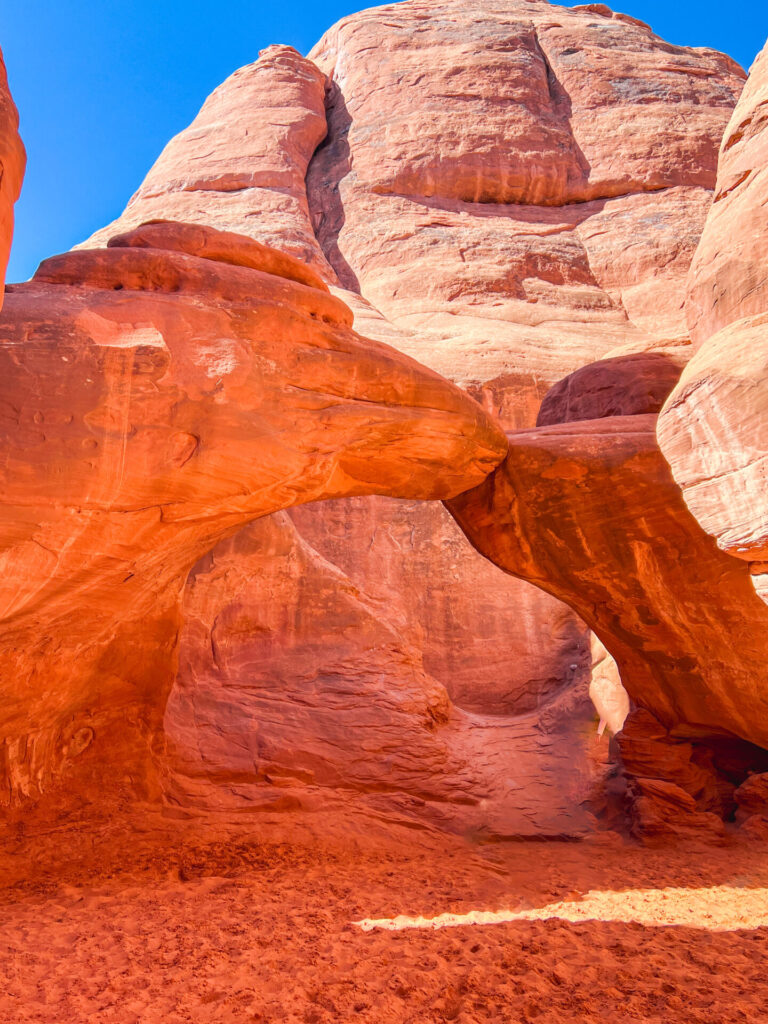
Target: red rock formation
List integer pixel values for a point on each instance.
(590, 512)
(728, 279)
(12, 163)
(155, 401)
(622, 386)
(221, 246)
(503, 207)
(579, 278)
(582, 249)
(505, 244)
(497, 645)
(295, 691)
(538, 112)
(240, 166)
(713, 428)
(752, 805)
(501, 296)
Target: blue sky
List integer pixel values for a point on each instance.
(101, 85)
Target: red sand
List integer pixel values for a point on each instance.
(183, 922)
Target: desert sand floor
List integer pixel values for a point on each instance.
(257, 924)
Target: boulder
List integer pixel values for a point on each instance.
(752, 795)
(622, 386)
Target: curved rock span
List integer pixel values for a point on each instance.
(486, 198)
(511, 194)
(590, 512)
(156, 396)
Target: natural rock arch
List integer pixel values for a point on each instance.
(158, 395)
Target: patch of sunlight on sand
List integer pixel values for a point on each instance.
(721, 908)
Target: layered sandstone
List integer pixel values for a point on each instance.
(507, 194)
(12, 163)
(504, 204)
(295, 692)
(621, 386)
(486, 189)
(713, 429)
(240, 166)
(158, 396)
(486, 198)
(504, 192)
(589, 511)
(728, 279)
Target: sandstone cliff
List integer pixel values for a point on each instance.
(158, 396)
(512, 195)
(12, 163)
(506, 193)
(713, 429)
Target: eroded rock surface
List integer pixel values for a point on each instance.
(295, 691)
(713, 429)
(506, 194)
(501, 215)
(503, 205)
(12, 164)
(728, 278)
(240, 166)
(503, 243)
(589, 511)
(623, 386)
(155, 399)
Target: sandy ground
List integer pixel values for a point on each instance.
(254, 923)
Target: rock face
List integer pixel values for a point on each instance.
(12, 164)
(590, 512)
(752, 804)
(502, 212)
(728, 279)
(504, 198)
(713, 428)
(512, 195)
(622, 386)
(241, 164)
(498, 646)
(501, 215)
(485, 197)
(295, 691)
(158, 396)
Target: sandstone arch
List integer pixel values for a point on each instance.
(156, 397)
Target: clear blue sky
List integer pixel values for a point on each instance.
(101, 85)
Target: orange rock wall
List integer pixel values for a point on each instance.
(156, 400)
(505, 194)
(12, 164)
(296, 690)
(504, 244)
(713, 429)
(600, 491)
(589, 511)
